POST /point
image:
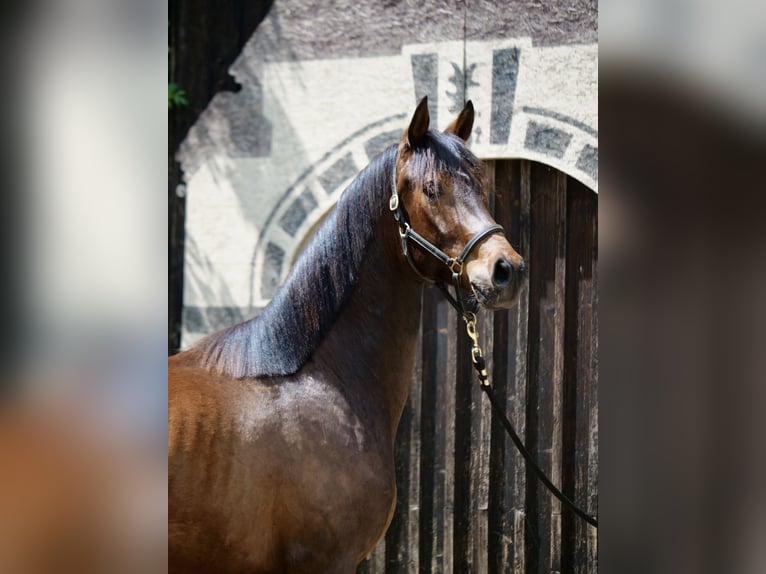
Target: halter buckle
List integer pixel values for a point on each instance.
(393, 203)
(470, 327)
(455, 266)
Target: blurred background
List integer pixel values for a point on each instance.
(682, 106)
(82, 421)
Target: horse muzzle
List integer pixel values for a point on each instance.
(496, 278)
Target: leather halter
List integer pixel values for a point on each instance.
(455, 264)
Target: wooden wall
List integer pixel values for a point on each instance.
(466, 501)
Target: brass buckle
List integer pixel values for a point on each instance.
(477, 355)
(457, 268)
(470, 327)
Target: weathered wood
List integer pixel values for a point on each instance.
(591, 388)
(560, 223)
(518, 398)
(400, 549)
(579, 375)
(447, 400)
(502, 543)
(480, 432)
(545, 361)
(480, 451)
(499, 543)
(396, 541)
(587, 412)
(413, 466)
(376, 562)
(401, 537)
(570, 545)
(429, 380)
(463, 534)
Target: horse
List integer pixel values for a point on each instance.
(282, 427)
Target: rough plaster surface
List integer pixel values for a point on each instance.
(325, 88)
(300, 30)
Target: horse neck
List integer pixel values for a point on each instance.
(372, 345)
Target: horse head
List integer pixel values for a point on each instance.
(444, 192)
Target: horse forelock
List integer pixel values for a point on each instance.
(283, 337)
(445, 153)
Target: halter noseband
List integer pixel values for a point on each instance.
(455, 264)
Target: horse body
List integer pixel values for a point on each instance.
(276, 469)
(315, 448)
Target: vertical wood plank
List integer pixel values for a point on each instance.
(501, 541)
(591, 488)
(402, 534)
(445, 427)
(480, 451)
(560, 222)
(545, 361)
(571, 543)
(396, 541)
(516, 402)
(579, 369)
(413, 466)
(538, 266)
(471, 455)
(375, 563)
(429, 500)
(437, 476)
(481, 418)
(463, 557)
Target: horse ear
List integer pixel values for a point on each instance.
(463, 124)
(419, 124)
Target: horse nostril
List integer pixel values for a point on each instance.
(501, 275)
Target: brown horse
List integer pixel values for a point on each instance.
(282, 427)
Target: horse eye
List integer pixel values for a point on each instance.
(431, 189)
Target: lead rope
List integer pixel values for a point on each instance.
(480, 366)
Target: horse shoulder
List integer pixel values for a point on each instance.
(194, 404)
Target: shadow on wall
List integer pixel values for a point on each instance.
(199, 58)
(205, 278)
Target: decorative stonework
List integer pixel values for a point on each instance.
(305, 203)
(253, 201)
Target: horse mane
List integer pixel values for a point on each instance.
(283, 337)
(285, 334)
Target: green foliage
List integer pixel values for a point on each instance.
(176, 96)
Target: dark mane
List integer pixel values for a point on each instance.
(283, 337)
